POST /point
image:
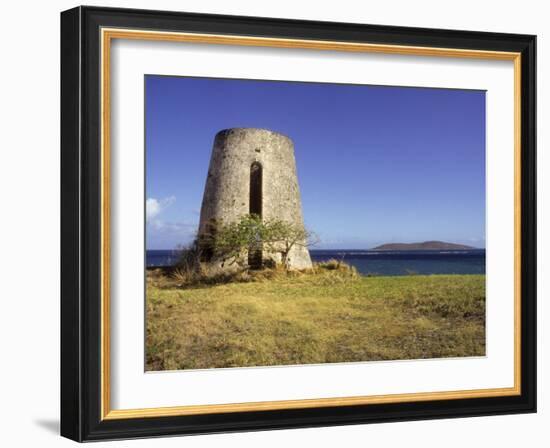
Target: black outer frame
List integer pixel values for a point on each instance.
(80, 224)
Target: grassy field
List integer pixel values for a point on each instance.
(328, 316)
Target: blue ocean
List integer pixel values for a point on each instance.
(370, 262)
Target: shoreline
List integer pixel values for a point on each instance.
(168, 270)
(376, 263)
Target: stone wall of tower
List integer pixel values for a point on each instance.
(227, 191)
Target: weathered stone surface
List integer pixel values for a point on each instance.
(227, 191)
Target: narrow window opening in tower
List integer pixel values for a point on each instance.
(255, 189)
(255, 208)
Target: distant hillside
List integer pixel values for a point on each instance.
(426, 245)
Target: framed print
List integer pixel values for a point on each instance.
(273, 223)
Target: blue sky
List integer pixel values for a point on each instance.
(375, 164)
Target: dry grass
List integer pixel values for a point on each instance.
(328, 314)
(203, 276)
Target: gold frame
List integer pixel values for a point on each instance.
(107, 35)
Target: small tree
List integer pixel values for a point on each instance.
(233, 240)
(281, 237)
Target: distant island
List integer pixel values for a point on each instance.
(426, 245)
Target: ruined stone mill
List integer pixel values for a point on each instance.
(253, 171)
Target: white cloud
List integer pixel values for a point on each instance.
(153, 207)
(162, 233)
(174, 228)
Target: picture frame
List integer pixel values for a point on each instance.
(86, 279)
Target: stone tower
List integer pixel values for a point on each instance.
(253, 171)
